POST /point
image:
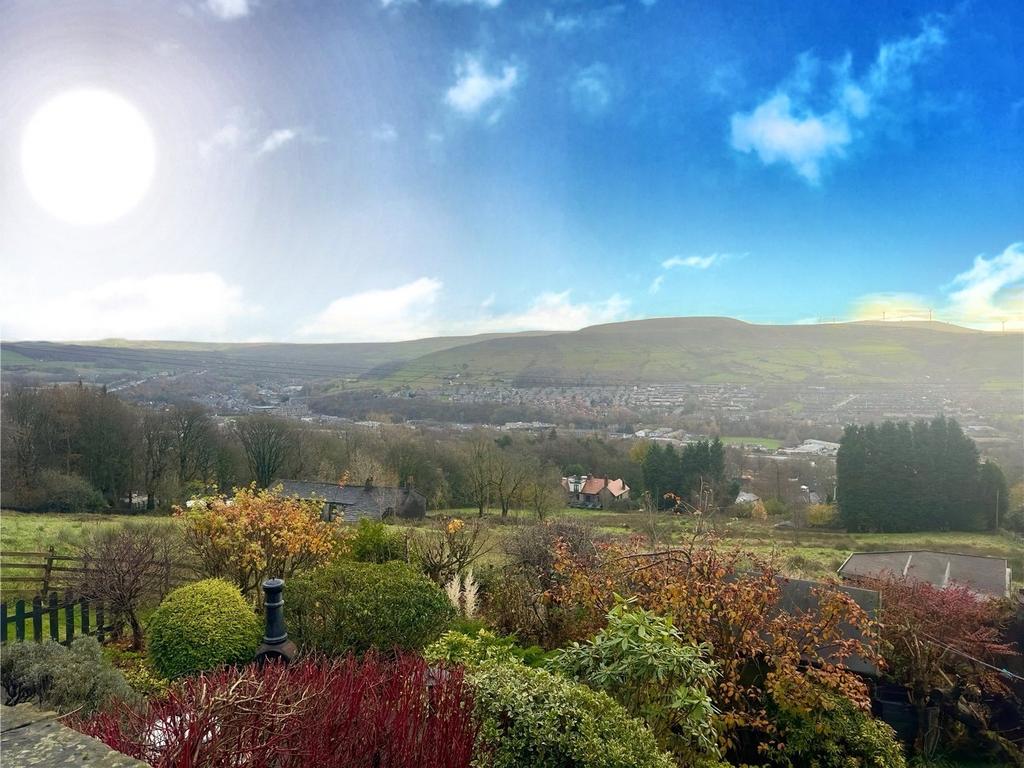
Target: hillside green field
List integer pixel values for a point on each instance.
(721, 350)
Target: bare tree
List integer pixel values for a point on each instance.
(480, 459)
(268, 444)
(127, 566)
(158, 444)
(542, 492)
(512, 470)
(194, 443)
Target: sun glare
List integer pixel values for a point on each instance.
(88, 156)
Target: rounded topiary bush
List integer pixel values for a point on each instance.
(200, 626)
(348, 606)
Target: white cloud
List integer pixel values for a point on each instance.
(591, 89)
(183, 305)
(985, 296)
(555, 312)
(224, 139)
(809, 130)
(475, 88)
(388, 314)
(385, 133)
(412, 311)
(695, 262)
(586, 20)
(992, 290)
(276, 139)
(229, 9)
(655, 285)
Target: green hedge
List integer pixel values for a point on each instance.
(200, 626)
(535, 718)
(376, 542)
(350, 606)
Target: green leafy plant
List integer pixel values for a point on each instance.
(473, 649)
(536, 718)
(200, 626)
(376, 542)
(642, 661)
(350, 606)
(75, 678)
(835, 735)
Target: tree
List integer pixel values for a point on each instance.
(194, 444)
(543, 493)
(125, 566)
(256, 535)
(512, 470)
(480, 459)
(157, 445)
(268, 444)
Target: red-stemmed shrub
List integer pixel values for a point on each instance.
(343, 713)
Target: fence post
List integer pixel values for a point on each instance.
(37, 619)
(48, 571)
(69, 617)
(19, 620)
(3, 621)
(54, 612)
(84, 606)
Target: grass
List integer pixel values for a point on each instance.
(765, 442)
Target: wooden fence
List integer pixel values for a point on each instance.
(28, 617)
(27, 573)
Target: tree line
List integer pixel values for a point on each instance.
(926, 475)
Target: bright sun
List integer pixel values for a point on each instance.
(88, 156)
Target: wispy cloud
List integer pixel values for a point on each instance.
(989, 295)
(229, 10)
(591, 89)
(147, 307)
(385, 133)
(807, 128)
(239, 135)
(414, 310)
(655, 285)
(276, 139)
(582, 19)
(477, 91)
(480, 3)
(387, 314)
(695, 262)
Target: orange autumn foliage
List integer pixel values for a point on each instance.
(730, 600)
(256, 535)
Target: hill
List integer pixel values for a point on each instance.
(723, 350)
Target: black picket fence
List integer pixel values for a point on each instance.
(55, 619)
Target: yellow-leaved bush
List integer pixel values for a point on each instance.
(256, 535)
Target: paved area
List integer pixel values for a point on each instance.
(30, 736)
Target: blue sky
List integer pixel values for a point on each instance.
(368, 170)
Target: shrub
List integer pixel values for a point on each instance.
(350, 606)
(472, 650)
(375, 542)
(447, 550)
(331, 714)
(200, 626)
(59, 492)
(61, 678)
(125, 567)
(533, 717)
(255, 536)
(823, 515)
(642, 662)
(836, 735)
(775, 507)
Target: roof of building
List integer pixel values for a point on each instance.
(984, 575)
(595, 484)
(361, 496)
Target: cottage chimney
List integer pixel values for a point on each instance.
(606, 481)
(276, 645)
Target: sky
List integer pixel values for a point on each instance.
(375, 170)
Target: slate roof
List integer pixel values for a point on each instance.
(356, 500)
(984, 575)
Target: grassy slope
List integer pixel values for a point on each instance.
(723, 350)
